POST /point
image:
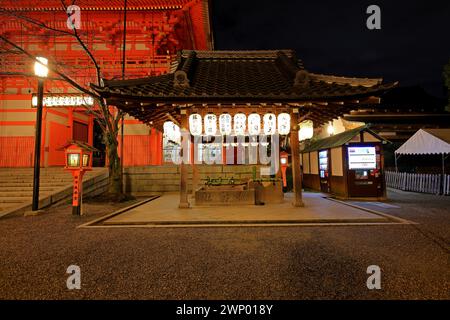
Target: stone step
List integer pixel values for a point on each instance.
(4, 194)
(28, 188)
(5, 206)
(8, 206)
(42, 174)
(43, 179)
(55, 185)
(14, 199)
(30, 184)
(30, 175)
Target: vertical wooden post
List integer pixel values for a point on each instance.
(295, 154)
(195, 175)
(184, 203)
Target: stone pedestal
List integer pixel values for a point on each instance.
(268, 192)
(225, 195)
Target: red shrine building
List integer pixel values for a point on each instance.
(156, 30)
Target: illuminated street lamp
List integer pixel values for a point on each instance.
(284, 164)
(41, 71)
(78, 155)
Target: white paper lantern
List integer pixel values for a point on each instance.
(210, 124)
(225, 124)
(195, 124)
(254, 124)
(168, 125)
(306, 130)
(172, 131)
(239, 123)
(270, 123)
(176, 133)
(330, 128)
(284, 123)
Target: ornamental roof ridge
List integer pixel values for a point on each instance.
(55, 5)
(353, 81)
(239, 54)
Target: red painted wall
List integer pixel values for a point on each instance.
(16, 151)
(141, 150)
(57, 138)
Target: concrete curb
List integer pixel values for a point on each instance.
(250, 225)
(387, 216)
(115, 213)
(381, 219)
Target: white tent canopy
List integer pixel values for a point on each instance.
(427, 141)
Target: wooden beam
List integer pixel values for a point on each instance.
(172, 119)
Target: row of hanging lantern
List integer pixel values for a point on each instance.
(196, 124)
(239, 123)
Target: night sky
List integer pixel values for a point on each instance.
(331, 37)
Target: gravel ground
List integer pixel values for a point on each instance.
(228, 263)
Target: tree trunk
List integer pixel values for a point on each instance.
(115, 174)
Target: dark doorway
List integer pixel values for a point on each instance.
(98, 159)
(80, 131)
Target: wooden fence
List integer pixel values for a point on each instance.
(419, 182)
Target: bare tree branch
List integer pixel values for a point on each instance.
(63, 76)
(86, 49)
(33, 21)
(107, 118)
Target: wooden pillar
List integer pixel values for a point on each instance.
(195, 174)
(295, 155)
(184, 203)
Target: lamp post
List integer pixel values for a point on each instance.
(41, 71)
(284, 164)
(78, 156)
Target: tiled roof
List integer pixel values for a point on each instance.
(242, 75)
(339, 139)
(55, 5)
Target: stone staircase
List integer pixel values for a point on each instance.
(16, 187)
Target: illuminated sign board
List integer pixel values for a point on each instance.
(362, 158)
(64, 100)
